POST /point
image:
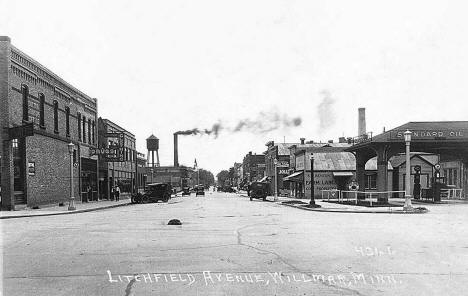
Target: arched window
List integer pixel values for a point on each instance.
(25, 95)
(94, 127)
(67, 121)
(56, 129)
(79, 126)
(89, 130)
(84, 129)
(41, 110)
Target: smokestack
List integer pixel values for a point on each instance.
(362, 121)
(302, 141)
(176, 151)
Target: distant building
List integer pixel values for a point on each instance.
(178, 177)
(40, 114)
(117, 173)
(279, 152)
(253, 167)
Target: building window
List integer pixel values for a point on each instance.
(93, 129)
(371, 181)
(56, 130)
(67, 120)
(84, 129)
(455, 177)
(89, 130)
(41, 110)
(74, 156)
(25, 94)
(79, 126)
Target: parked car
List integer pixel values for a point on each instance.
(200, 190)
(153, 193)
(185, 191)
(258, 190)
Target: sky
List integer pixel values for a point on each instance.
(158, 67)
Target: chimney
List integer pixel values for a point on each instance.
(362, 121)
(176, 151)
(302, 141)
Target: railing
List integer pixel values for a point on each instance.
(333, 193)
(355, 196)
(454, 193)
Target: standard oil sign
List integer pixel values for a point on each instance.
(431, 134)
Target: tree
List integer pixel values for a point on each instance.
(222, 177)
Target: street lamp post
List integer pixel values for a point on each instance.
(408, 206)
(312, 181)
(275, 161)
(71, 206)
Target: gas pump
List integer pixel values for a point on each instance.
(438, 183)
(417, 182)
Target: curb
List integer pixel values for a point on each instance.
(66, 213)
(352, 211)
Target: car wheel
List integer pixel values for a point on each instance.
(251, 198)
(145, 199)
(264, 198)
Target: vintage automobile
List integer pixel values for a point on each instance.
(153, 193)
(258, 190)
(186, 191)
(199, 190)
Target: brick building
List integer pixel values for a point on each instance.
(280, 152)
(253, 167)
(40, 114)
(121, 173)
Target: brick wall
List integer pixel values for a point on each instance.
(51, 181)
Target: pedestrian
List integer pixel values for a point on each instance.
(112, 193)
(117, 193)
(90, 193)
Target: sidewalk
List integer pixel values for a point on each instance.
(336, 207)
(57, 210)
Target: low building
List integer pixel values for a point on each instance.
(333, 169)
(119, 172)
(40, 116)
(178, 177)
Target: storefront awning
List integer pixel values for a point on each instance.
(342, 174)
(297, 177)
(264, 179)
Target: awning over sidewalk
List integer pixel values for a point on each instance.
(342, 174)
(264, 179)
(296, 177)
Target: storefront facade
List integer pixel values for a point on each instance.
(40, 115)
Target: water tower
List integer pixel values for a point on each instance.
(152, 144)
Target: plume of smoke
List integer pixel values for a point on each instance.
(263, 123)
(325, 110)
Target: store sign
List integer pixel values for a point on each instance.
(283, 172)
(113, 152)
(283, 164)
(299, 163)
(31, 168)
(430, 134)
(322, 181)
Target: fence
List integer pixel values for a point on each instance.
(355, 196)
(454, 193)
